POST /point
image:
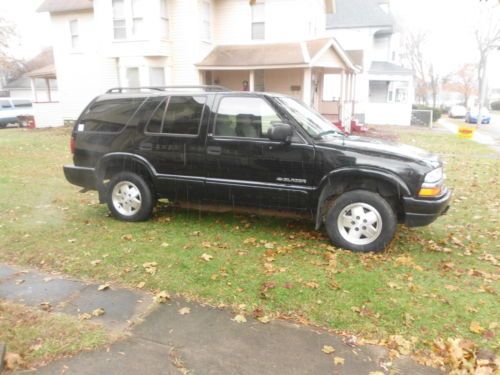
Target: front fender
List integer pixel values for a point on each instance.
(329, 185)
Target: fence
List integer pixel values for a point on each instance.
(421, 117)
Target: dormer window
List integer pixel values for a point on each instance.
(258, 21)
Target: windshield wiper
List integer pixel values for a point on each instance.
(319, 135)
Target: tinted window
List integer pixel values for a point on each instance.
(154, 125)
(4, 104)
(244, 117)
(183, 115)
(19, 103)
(110, 115)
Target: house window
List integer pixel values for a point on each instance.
(157, 77)
(137, 18)
(388, 91)
(206, 25)
(133, 79)
(75, 35)
(164, 19)
(258, 21)
(119, 20)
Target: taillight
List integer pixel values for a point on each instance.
(72, 145)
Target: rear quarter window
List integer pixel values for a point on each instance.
(110, 115)
(20, 103)
(5, 104)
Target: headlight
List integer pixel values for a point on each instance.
(432, 186)
(434, 176)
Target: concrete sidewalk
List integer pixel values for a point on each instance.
(204, 341)
(479, 136)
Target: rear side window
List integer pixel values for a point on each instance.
(178, 115)
(5, 104)
(19, 103)
(109, 116)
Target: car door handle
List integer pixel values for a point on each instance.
(214, 150)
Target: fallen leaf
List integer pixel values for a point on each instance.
(451, 288)
(312, 284)
(141, 285)
(264, 319)
(475, 327)
(98, 312)
(12, 361)
(327, 349)
(206, 257)
(375, 373)
(46, 306)
(84, 316)
(162, 297)
(150, 267)
(164, 244)
(127, 237)
(72, 240)
(338, 360)
(240, 318)
(184, 310)
(102, 287)
(95, 262)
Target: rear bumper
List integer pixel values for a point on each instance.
(81, 176)
(420, 212)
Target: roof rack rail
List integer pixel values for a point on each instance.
(207, 88)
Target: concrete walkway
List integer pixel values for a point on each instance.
(204, 341)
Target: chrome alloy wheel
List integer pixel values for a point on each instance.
(126, 198)
(359, 223)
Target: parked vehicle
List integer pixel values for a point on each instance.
(12, 108)
(256, 149)
(471, 116)
(457, 111)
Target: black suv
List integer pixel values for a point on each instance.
(209, 144)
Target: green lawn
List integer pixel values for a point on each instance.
(39, 337)
(431, 283)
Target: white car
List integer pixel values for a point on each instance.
(457, 111)
(12, 108)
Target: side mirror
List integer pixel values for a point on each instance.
(280, 132)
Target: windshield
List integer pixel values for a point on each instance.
(311, 121)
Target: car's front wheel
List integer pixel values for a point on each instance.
(361, 220)
(129, 197)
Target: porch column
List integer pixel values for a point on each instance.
(251, 81)
(353, 94)
(33, 89)
(47, 84)
(342, 96)
(307, 86)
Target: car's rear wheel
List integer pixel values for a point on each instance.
(361, 220)
(129, 197)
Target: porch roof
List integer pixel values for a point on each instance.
(274, 55)
(48, 71)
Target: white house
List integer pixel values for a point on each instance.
(384, 89)
(275, 45)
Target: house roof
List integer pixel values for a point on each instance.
(54, 6)
(357, 56)
(24, 83)
(48, 71)
(384, 67)
(358, 13)
(245, 56)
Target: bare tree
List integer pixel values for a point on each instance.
(464, 81)
(413, 44)
(487, 34)
(10, 67)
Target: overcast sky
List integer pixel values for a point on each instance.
(451, 42)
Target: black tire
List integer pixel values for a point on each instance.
(146, 197)
(367, 201)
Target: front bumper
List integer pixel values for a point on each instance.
(81, 176)
(420, 212)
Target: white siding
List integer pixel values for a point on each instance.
(47, 115)
(285, 20)
(81, 74)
